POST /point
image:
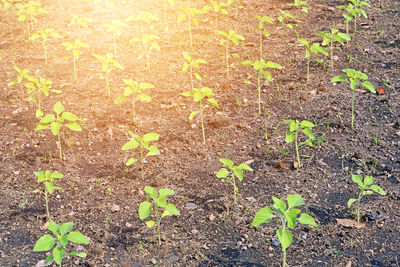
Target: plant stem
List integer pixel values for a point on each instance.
(297, 149)
(331, 53)
(75, 75)
(59, 143)
(352, 108)
(44, 50)
(158, 225)
(358, 205)
(47, 204)
(227, 58)
(141, 161)
(259, 91)
(284, 258)
(235, 189)
(202, 124)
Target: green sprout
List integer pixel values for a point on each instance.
(315, 48)
(44, 36)
(149, 42)
(7, 4)
(144, 144)
(135, 90)
(300, 3)
(354, 10)
(288, 216)
(56, 122)
(189, 65)
(229, 38)
(331, 37)
(366, 188)
(107, 62)
(63, 236)
(190, 14)
(219, 8)
(47, 178)
(354, 77)
(261, 29)
(76, 47)
(158, 200)
(76, 20)
(349, 16)
(282, 19)
(143, 17)
(28, 12)
(292, 134)
(115, 27)
(233, 172)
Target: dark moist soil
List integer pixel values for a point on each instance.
(101, 195)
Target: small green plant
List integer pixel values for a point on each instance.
(76, 47)
(23, 74)
(282, 19)
(288, 215)
(44, 36)
(57, 121)
(157, 200)
(219, 8)
(349, 16)
(79, 21)
(47, 178)
(190, 13)
(331, 37)
(144, 144)
(6, 5)
(198, 95)
(63, 236)
(315, 48)
(261, 30)
(354, 9)
(353, 78)
(189, 65)
(261, 67)
(228, 39)
(135, 90)
(366, 187)
(301, 4)
(115, 27)
(233, 172)
(149, 42)
(143, 17)
(28, 12)
(292, 134)
(107, 62)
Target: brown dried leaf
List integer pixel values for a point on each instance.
(350, 223)
(283, 165)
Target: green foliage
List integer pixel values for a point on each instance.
(289, 217)
(282, 19)
(58, 121)
(75, 47)
(47, 178)
(228, 39)
(23, 74)
(154, 201)
(261, 29)
(261, 67)
(62, 236)
(234, 171)
(189, 65)
(190, 14)
(7, 4)
(199, 94)
(315, 48)
(107, 62)
(301, 4)
(79, 21)
(353, 78)
(28, 12)
(115, 27)
(331, 37)
(354, 10)
(44, 36)
(144, 144)
(134, 90)
(148, 42)
(292, 134)
(366, 188)
(219, 8)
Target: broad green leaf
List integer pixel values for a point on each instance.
(44, 243)
(165, 192)
(153, 151)
(308, 124)
(340, 78)
(309, 133)
(69, 116)
(357, 179)
(58, 107)
(150, 223)
(244, 166)
(292, 217)
(307, 219)
(350, 202)
(273, 65)
(131, 161)
(192, 114)
(279, 203)
(187, 93)
(227, 162)
(213, 102)
(53, 227)
(171, 208)
(63, 240)
(238, 173)
(77, 254)
(56, 175)
(378, 189)
(132, 144)
(74, 126)
(285, 237)
(144, 97)
(186, 55)
(294, 201)
(66, 227)
(264, 215)
(145, 209)
(368, 180)
(48, 118)
(151, 191)
(58, 254)
(161, 202)
(303, 42)
(49, 187)
(151, 137)
(289, 137)
(145, 86)
(120, 99)
(55, 127)
(222, 173)
(368, 85)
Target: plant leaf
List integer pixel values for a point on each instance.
(66, 227)
(307, 219)
(77, 237)
(58, 254)
(350, 202)
(222, 173)
(151, 137)
(44, 243)
(144, 209)
(77, 254)
(294, 200)
(285, 237)
(378, 189)
(264, 215)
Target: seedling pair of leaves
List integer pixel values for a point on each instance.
(288, 215)
(143, 17)
(75, 47)
(144, 144)
(63, 236)
(228, 39)
(79, 21)
(190, 14)
(28, 12)
(366, 188)
(57, 121)
(148, 43)
(154, 201)
(219, 8)
(44, 36)
(354, 9)
(261, 30)
(353, 77)
(315, 48)
(261, 67)
(23, 74)
(301, 4)
(115, 27)
(134, 90)
(199, 94)
(234, 171)
(282, 19)
(107, 62)
(47, 178)
(292, 134)
(189, 65)
(331, 37)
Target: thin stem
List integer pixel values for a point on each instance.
(235, 189)
(202, 123)
(227, 58)
(331, 53)
(59, 143)
(259, 91)
(297, 149)
(47, 203)
(352, 108)
(75, 75)
(284, 258)
(141, 161)
(158, 226)
(358, 205)
(44, 50)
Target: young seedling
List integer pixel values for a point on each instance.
(349, 16)
(144, 144)
(260, 66)
(234, 171)
(56, 122)
(157, 200)
(47, 178)
(7, 4)
(190, 14)
(228, 39)
(76, 47)
(115, 27)
(189, 65)
(282, 19)
(353, 78)
(261, 29)
(366, 187)
(219, 8)
(292, 134)
(354, 10)
(331, 37)
(198, 95)
(107, 62)
(143, 17)
(63, 236)
(134, 90)
(76, 20)
(28, 12)
(148, 43)
(288, 215)
(300, 3)
(44, 36)
(315, 48)
(23, 74)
